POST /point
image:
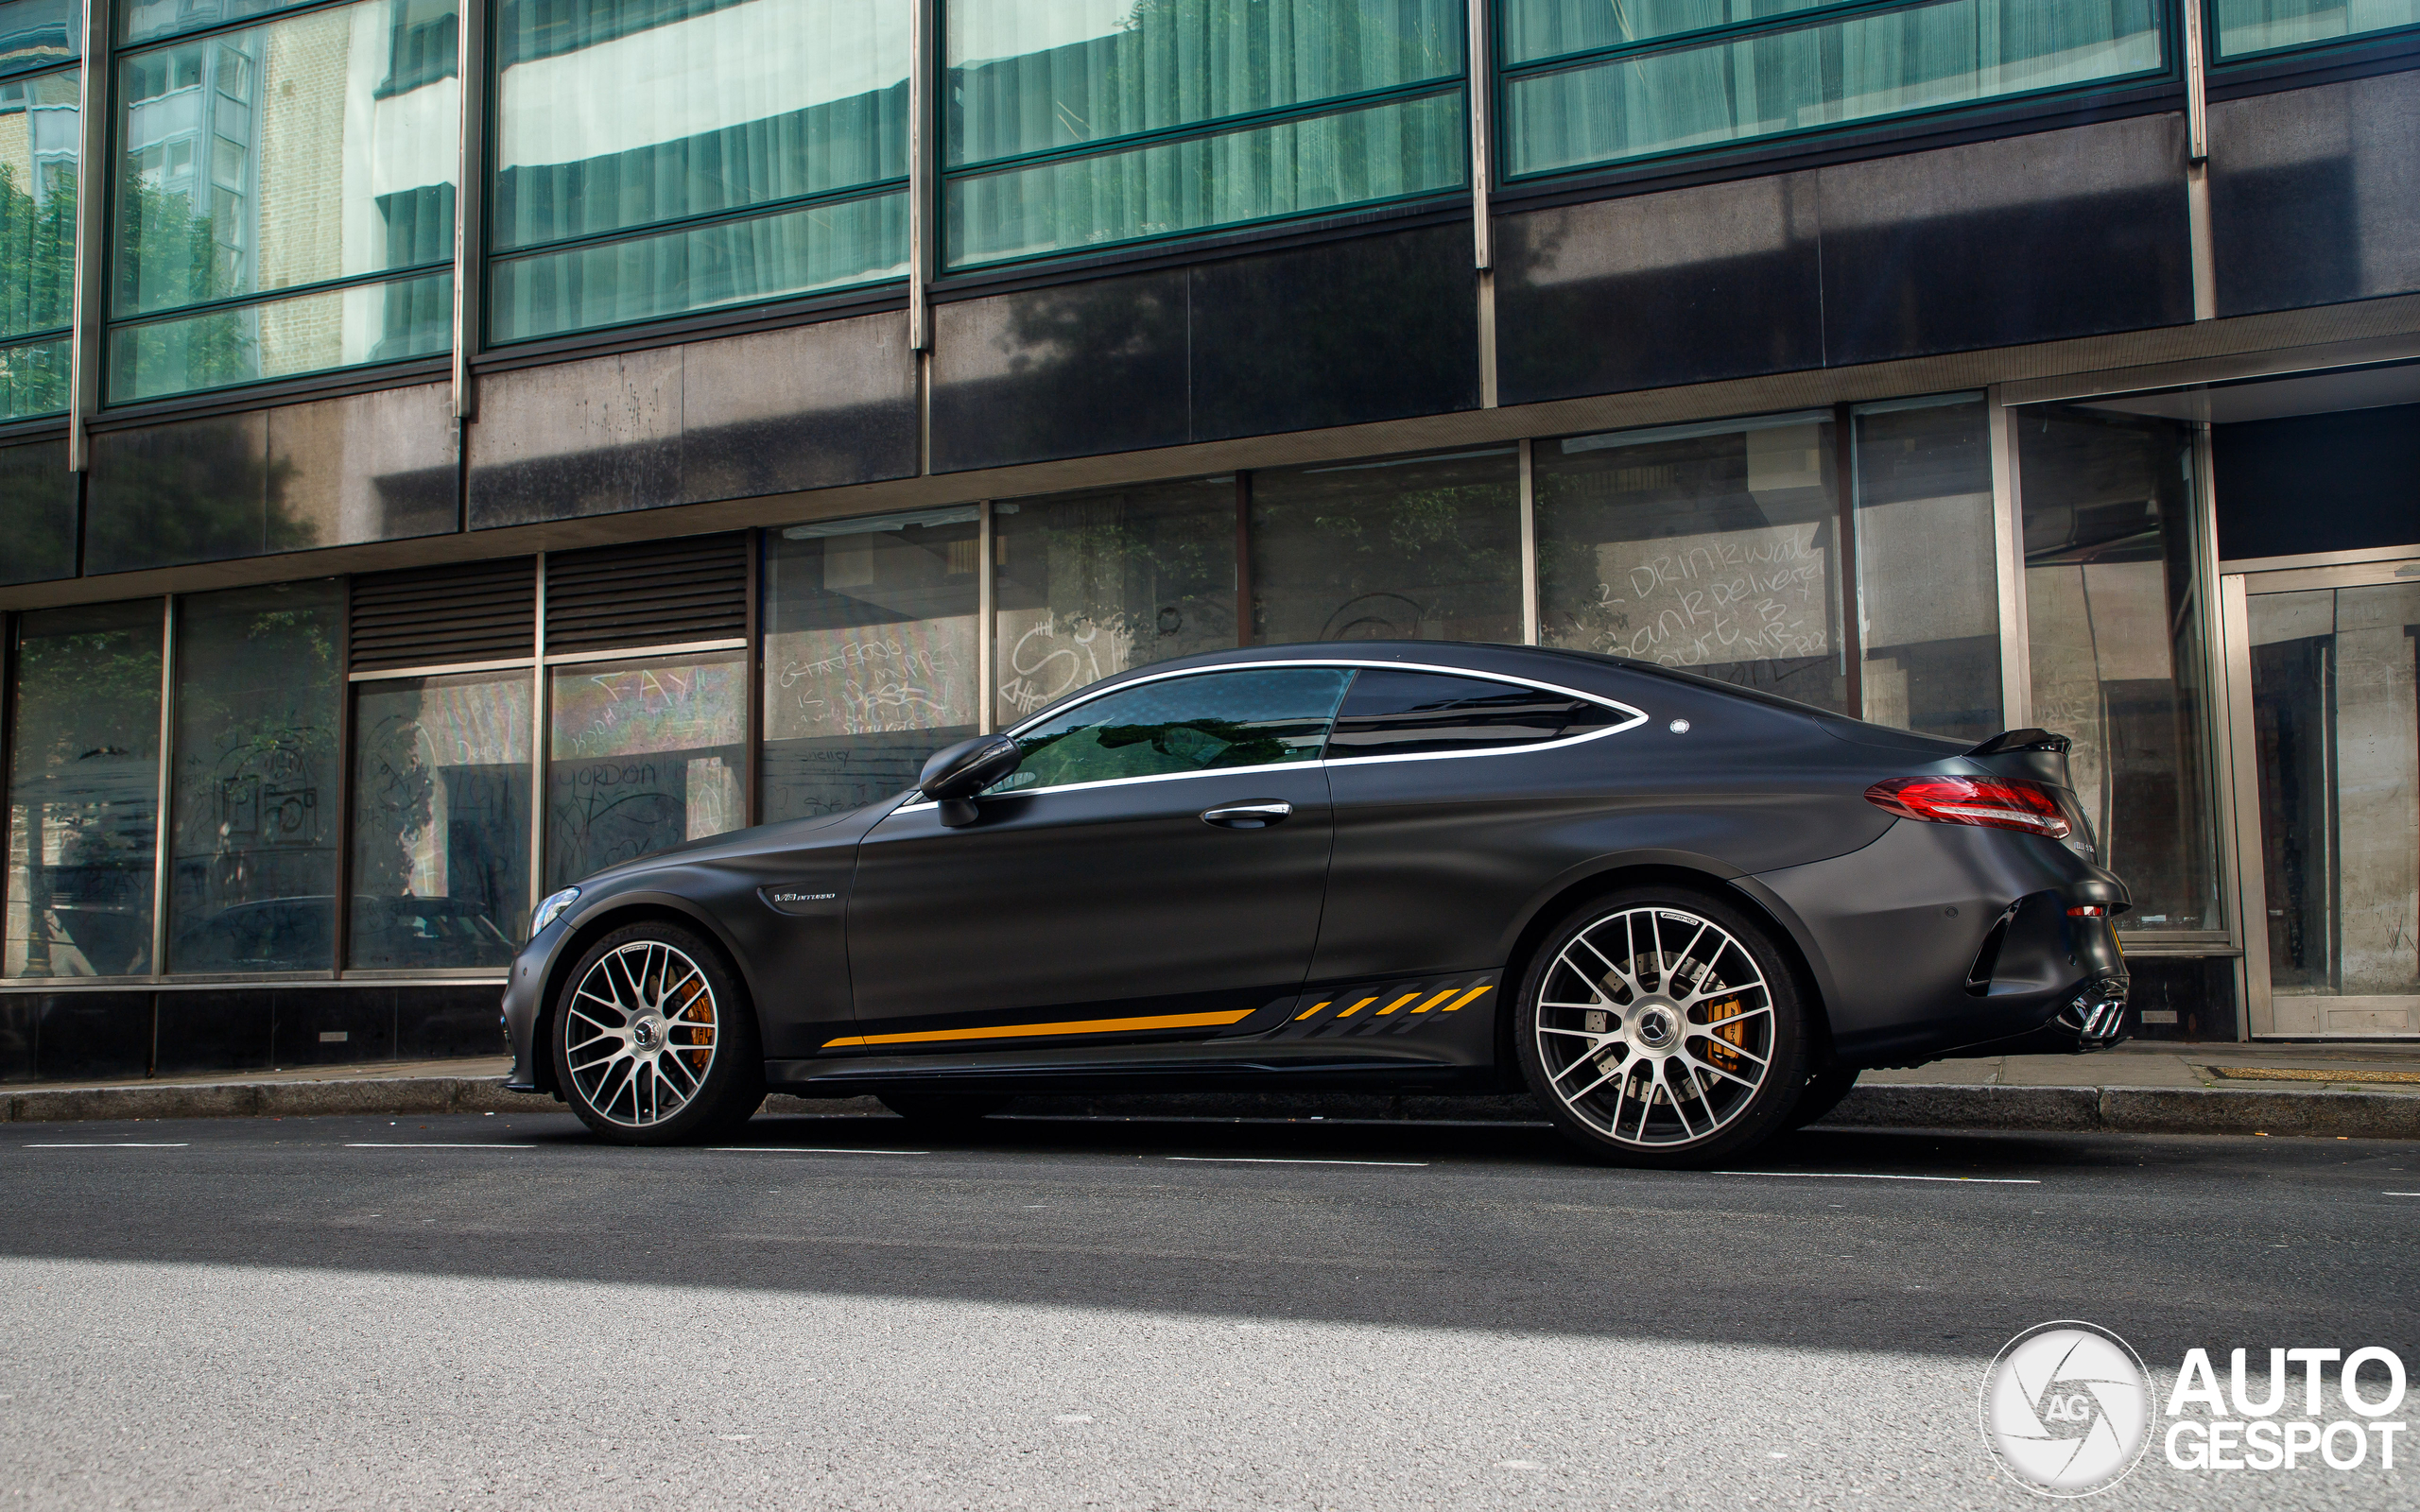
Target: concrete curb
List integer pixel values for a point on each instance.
(2046, 1110)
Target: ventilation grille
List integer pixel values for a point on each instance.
(437, 616)
(655, 593)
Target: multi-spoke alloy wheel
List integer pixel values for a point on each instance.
(1662, 1026)
(644, 1038)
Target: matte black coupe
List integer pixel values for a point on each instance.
(1683, 915)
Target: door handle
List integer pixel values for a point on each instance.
(1253, 816)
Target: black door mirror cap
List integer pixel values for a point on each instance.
(955, 774)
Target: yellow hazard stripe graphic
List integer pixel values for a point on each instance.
(1470, 997)
(1433, 1001)
(1396, 1004)
(1019, 1031)
(1313, 1008)
(1356, 1007)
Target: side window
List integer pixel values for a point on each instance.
(1219, 719)
(1404, 713)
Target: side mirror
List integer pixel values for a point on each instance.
(955, 774)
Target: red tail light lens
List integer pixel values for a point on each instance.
(1995, 802)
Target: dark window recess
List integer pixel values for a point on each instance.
(2348, 481)
(653, 593)
(1404, 713)
(439, 616)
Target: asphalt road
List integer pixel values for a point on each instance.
(496, 1311)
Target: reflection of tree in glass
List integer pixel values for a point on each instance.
(171, 259)
(37, 290)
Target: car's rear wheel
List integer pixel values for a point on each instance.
(1662, 1026)
(1822, 1093)
(653, 1040)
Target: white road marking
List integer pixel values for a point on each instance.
(1286, 1159)
(2401, 1194)
(432, 1145)
(801, 1150)
(1863, 1176)
(122, 1145)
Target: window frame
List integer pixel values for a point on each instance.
(109, 321)
(1633, 717)
(947, 175)
(2169, 72)
(2319, 51)
(487, 256)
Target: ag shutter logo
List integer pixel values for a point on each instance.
(2066, 1408)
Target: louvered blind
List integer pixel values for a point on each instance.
(653, 593)
(436, 617)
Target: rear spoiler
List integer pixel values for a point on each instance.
(2034, 754)
(2029, 739)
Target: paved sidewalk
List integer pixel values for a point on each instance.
(2374, 1067)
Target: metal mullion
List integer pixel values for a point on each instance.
(1529, 627)
(538, 742)
(341, 908)
(241, 301)
(91, 235)
(1844, 483)
(2008, 552)
(753, 726)
(26, 339)
(987, 610)
(471, 24)
(1216, 126)
(162, 818)
(8, 624)
(924, 186)
(1478, 56)
(2232, 628)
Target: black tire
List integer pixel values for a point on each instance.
(1682, 985)
(943, 1111)
(1822, 1093)
(645, 1005)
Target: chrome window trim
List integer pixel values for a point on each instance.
(1635, 718)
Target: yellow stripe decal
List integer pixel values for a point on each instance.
(1356, 1007)
(1433, 1001)
(1313, 1008)
(1396, 1004)
(1470, 997)
(1020, 1031)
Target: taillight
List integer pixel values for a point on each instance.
(1995, 802)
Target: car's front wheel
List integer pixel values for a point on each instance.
(1663, 1027)
(653, 1040)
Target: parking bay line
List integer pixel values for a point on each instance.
(1867, 1176)
(1286, 1159)
(429, 1144)
(104, 1145)
(801, 1150)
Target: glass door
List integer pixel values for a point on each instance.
(2328, 662)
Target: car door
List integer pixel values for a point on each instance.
(1154, 868)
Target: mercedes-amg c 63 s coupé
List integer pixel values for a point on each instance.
(1682, 915)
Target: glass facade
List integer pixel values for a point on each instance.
(2114, 627)
(640, 756)
(1096, 583)
(83, 792)
(871, 656)
(1592, 82)
(1927, 579)
(1071, 124)
(41, 125)
(655, 157)
(1713, 547)
(313, 152)
(253, 801)
(2249, 28)
(1420, 548)
(441, 821)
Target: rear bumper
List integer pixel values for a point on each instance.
(1942, 939)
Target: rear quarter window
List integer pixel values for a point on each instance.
(1391, 713)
